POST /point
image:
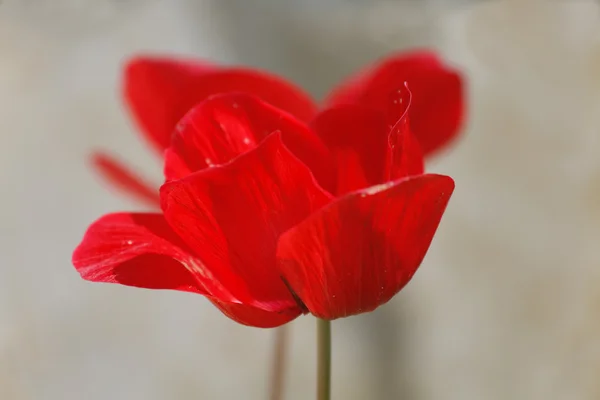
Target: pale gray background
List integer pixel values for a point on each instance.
(506, 304)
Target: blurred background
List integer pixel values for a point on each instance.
(507, 302)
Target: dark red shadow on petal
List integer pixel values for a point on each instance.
(153, 271)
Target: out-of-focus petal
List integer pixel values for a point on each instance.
(225, 126)
(118, 175)
(437, 112)
(352, 89)
(356, 253)
(161, 90)
(232, 216)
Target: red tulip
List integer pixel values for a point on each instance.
(270, 218)
(159, 92)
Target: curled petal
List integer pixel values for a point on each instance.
(365, 150)
(160, 90)
(404, 157)
(119, 176)
(357, 138)
(225, 126)
(356, 253)
(231, 216)
(141, 250)
(404, 154)
(438, 106)
(135, 250)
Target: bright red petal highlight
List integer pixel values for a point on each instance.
(232, 216)
(119, 176)
(438, 106)
(159, 91)
(225, 126)
(356, 253)
(135, 250)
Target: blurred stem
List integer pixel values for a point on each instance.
(279, 361)
(323, 359)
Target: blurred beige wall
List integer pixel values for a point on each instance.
(505, 303)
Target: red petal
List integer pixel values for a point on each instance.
(135, 250)
(252, 316)
(225, 126)
(358, 140)
(364, 148)
(404, 154)
(232, 216)
(352, 89)
(141, 250)
(356, 253)
(159, 91)
(438, 106)
(119, 176)
(405, 157)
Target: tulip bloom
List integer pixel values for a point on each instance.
(160, 91)
(270, 217)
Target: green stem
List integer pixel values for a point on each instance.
(279, 361)
(323, 359)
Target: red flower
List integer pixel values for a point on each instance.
(159, 91)
(332, 218)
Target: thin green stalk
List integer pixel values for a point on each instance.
(323, 359)
(279, 362)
